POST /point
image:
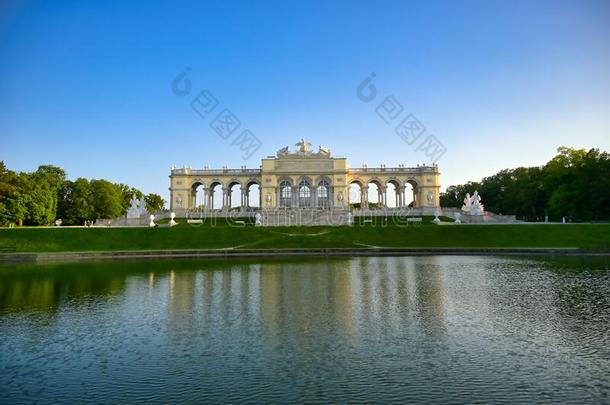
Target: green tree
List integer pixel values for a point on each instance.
(44, 189)
(76, 205)
(127, 194)
(575, 183)
(154, 202)
(578, 184)
(106, 199)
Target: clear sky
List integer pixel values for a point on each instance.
(87, 85)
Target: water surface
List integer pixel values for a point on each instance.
(390, 329)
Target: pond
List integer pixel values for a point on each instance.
(441, 329)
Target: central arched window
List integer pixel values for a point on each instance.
(323, 188)
(285, 194)
(304, 194)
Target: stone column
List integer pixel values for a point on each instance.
(415, 197)
(278, 197)
(225, 198)
(399, 196)
(365, 196)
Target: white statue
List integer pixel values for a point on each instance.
(457, 216)
(142, 206)
(476, 207)
(257, 219)
(282, 152)
(466, 206)
(472, 204)
(137, 208)
(133, 203)
(172, 215)
(134, 209)
(350, 219)
(152, 221)
(323, 151)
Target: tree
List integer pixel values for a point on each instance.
(106, 199)
(44, 191)
(575, 183)
(578, 184)
(38, 198)
(6, 189)
(76, 204)
(154, 202)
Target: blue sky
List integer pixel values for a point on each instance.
(87, 85)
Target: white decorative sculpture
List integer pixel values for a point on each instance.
(472, 205)
(466, 206)
(303, 149)
(134, 210)
(350, 218)
(476, 207)
(137, 207)
(172, 215)
(457, 216)
(436, 220)
(257, 219)
(152, 221)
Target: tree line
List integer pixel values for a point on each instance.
(574, 184)
(41, 197)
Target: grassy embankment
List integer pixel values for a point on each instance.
(586, 236)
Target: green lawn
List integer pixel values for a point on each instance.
(183, 236)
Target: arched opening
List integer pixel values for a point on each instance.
(234, 195)
(323, 194)
(392, 194)
(253, 195)
(411, 194)
(215, 196)
(285, 189)
(375, 198)
(355, 198)
(304, 194)
(198, 195)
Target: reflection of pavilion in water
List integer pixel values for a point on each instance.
(346, 296)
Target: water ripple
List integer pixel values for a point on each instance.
(375, 330)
